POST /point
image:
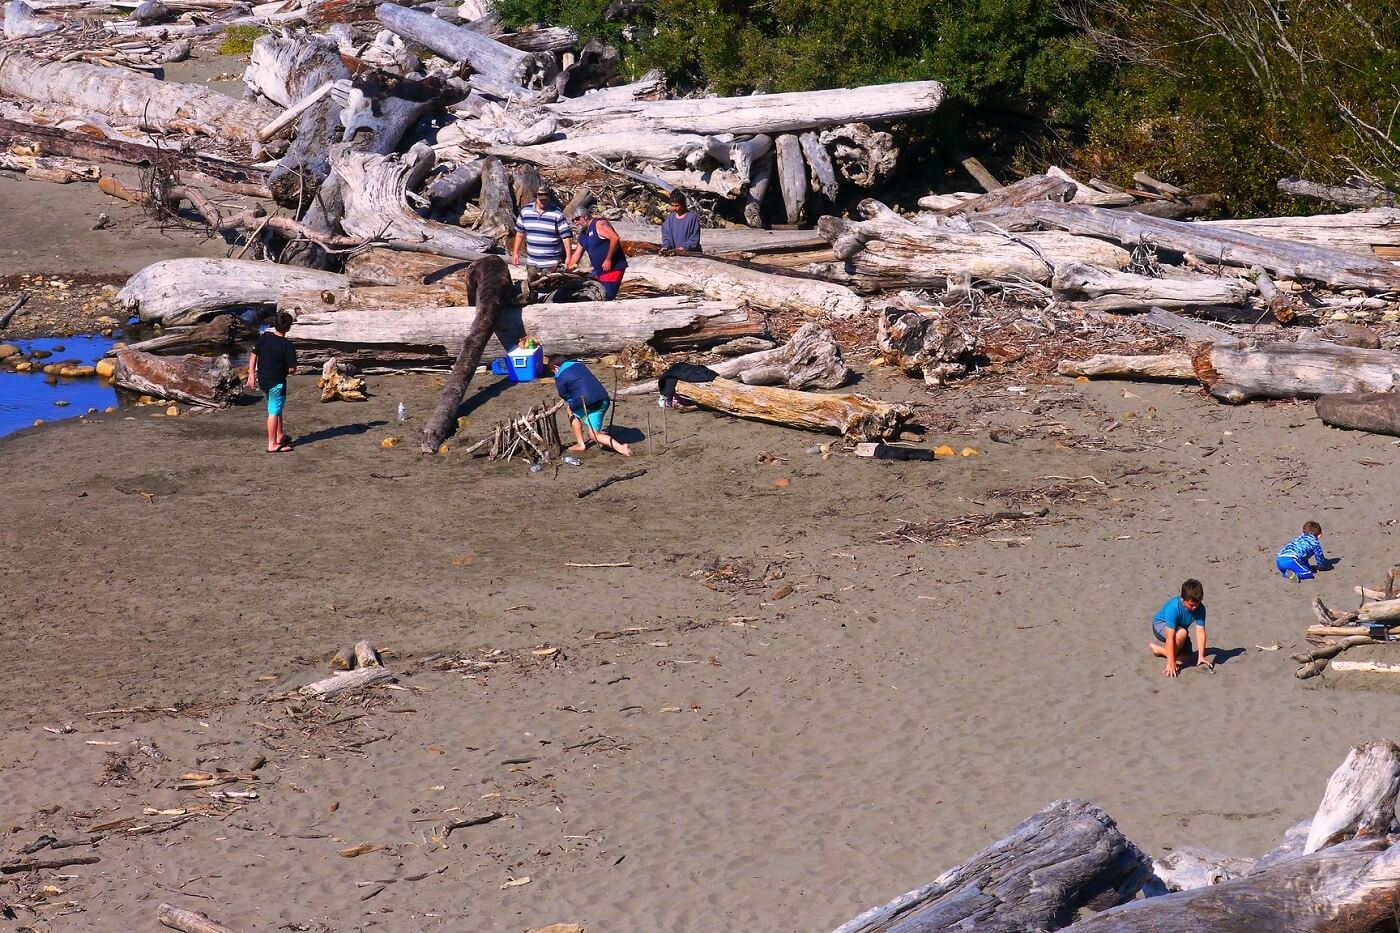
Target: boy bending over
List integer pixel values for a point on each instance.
(1172, 628)
(1295, 558)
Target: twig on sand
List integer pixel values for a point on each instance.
(584, 493)
(14, 309)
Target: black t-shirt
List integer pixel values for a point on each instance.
(276, 358)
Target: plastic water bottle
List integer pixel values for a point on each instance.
(536, 467)
(573, 461)
(403, 412)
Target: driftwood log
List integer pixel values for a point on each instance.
(923, 342)
(1345, 195)
(1237, 374)
(209, 382)
(811, 359)
(165, 106)
(854, 416)
(734, 283)
(489, 291)
(792, 178)
(286, 69)
(891, 251)
(188, 921)
(184, 291)
(1186, 868)
(1218, 244)
(216, 334)
(1095, 289)
(344, 681)
(1113, 366)
(720, 241)
(494, 60)
(1067, 857)
(1376, 412)
(434, 336)
(1342, 880)
(1361, 232)
(1026, 191)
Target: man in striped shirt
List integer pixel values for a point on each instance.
(543, 231)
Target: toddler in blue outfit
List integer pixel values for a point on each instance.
(1295, 558)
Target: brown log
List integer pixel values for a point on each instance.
(156, 105)
(1238, 374)
(52, 140)
(1113, 366)
(344, 659)
(392, 267)
(850, 415)
(1067, 857)
(1376, 412)
(1216, 244)
(490, 290)
(344, 681)
(924, 342)
(196, 380)
(220, 333)
(12, 868)
(1027, 190)
(189, 921)
(497, 221)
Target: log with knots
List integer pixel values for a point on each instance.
(1332, 873)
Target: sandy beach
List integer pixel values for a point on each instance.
(772, 714)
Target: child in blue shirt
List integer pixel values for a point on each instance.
(1295, 558)
(588, 402)
(1172, 628)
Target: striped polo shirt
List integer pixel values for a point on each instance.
(543, 232)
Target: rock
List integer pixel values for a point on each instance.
(38, 421)
(389, 443)
(24, 366)
(59, 349)
(1351, 335)
(78, 372)
(106, 367)
(171, 412)
(40, 354)
(110, 409)
(61, 403)
(8, 350)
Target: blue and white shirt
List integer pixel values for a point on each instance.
(544, 232)
(1303, 547)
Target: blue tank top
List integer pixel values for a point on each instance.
(597, 249)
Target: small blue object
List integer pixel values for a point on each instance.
(526, 365)
(500, 366)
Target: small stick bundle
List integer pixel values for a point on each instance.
(533, 435)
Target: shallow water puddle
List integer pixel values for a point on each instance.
(25, 397)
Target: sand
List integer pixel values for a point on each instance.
(767, 720)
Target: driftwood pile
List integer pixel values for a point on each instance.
(1376, 621)
(1333, 873)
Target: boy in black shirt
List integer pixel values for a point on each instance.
(588, 402)
(268, 366)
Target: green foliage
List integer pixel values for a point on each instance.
(238, 40)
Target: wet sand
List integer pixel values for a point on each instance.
(769, 719)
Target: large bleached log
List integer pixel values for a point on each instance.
(393, 267)
(1067, 857)
(743, 156)
(795, 112)
(811, 359)
(217, 334)
(165, 106)
(497, 219)
(197, 380)
(387, 299)
(1376, 412)
(895, 252)
(433, 336)
(1114, 366)
(724, 182)
(54, 140)
(1026, 191)
(728, 282)
(1097, 289)
(854, 416)
(1186, 868)
(495, 60)
(1360, 232)
(1237, 374)
(758, 190)
(344, 681)
(1218, 244)
(1345, 878)
(490, 291)
(819, 162)
(173, 292)
(792, 177)
(374, 188)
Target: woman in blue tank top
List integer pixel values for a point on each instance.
(606, 260)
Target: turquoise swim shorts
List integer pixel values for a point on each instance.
(276, 398)
(594, 417)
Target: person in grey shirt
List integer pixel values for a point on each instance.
(680, 231)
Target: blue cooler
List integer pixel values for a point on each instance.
(526, 365)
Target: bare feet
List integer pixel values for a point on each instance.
(579, 448)
(624, 449)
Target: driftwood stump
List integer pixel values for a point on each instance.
(196, 380)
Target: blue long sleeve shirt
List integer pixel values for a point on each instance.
(1303, 548)
(578, 387)
(681, 232)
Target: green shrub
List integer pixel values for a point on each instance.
(238, 40)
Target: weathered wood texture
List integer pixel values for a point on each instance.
(183, 291)
(385, 300)
(189, 921)
(1186, 868)
(1096, 289)
(1114, 366)
(894, 252)
(433, 336)
(1026, 191)
(495, 60)
(724, 241)
(1345, 195)
(374, 187)
(732, 283)
(490, 290)
(1360, 797)
(165, 106)
(286, 69)
(1238, 374)
(923, 342)
(792, 177)
(1376, 412)
(217, 334)
(855, 416)
(1219, 244)
(1361, 232)
(197, 380)
(1067, 857)
(811, 359)
(344, 681)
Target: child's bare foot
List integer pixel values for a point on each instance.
(579, 448)
(624, 449)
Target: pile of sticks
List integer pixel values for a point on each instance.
(533, 435)
(1375, 622)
